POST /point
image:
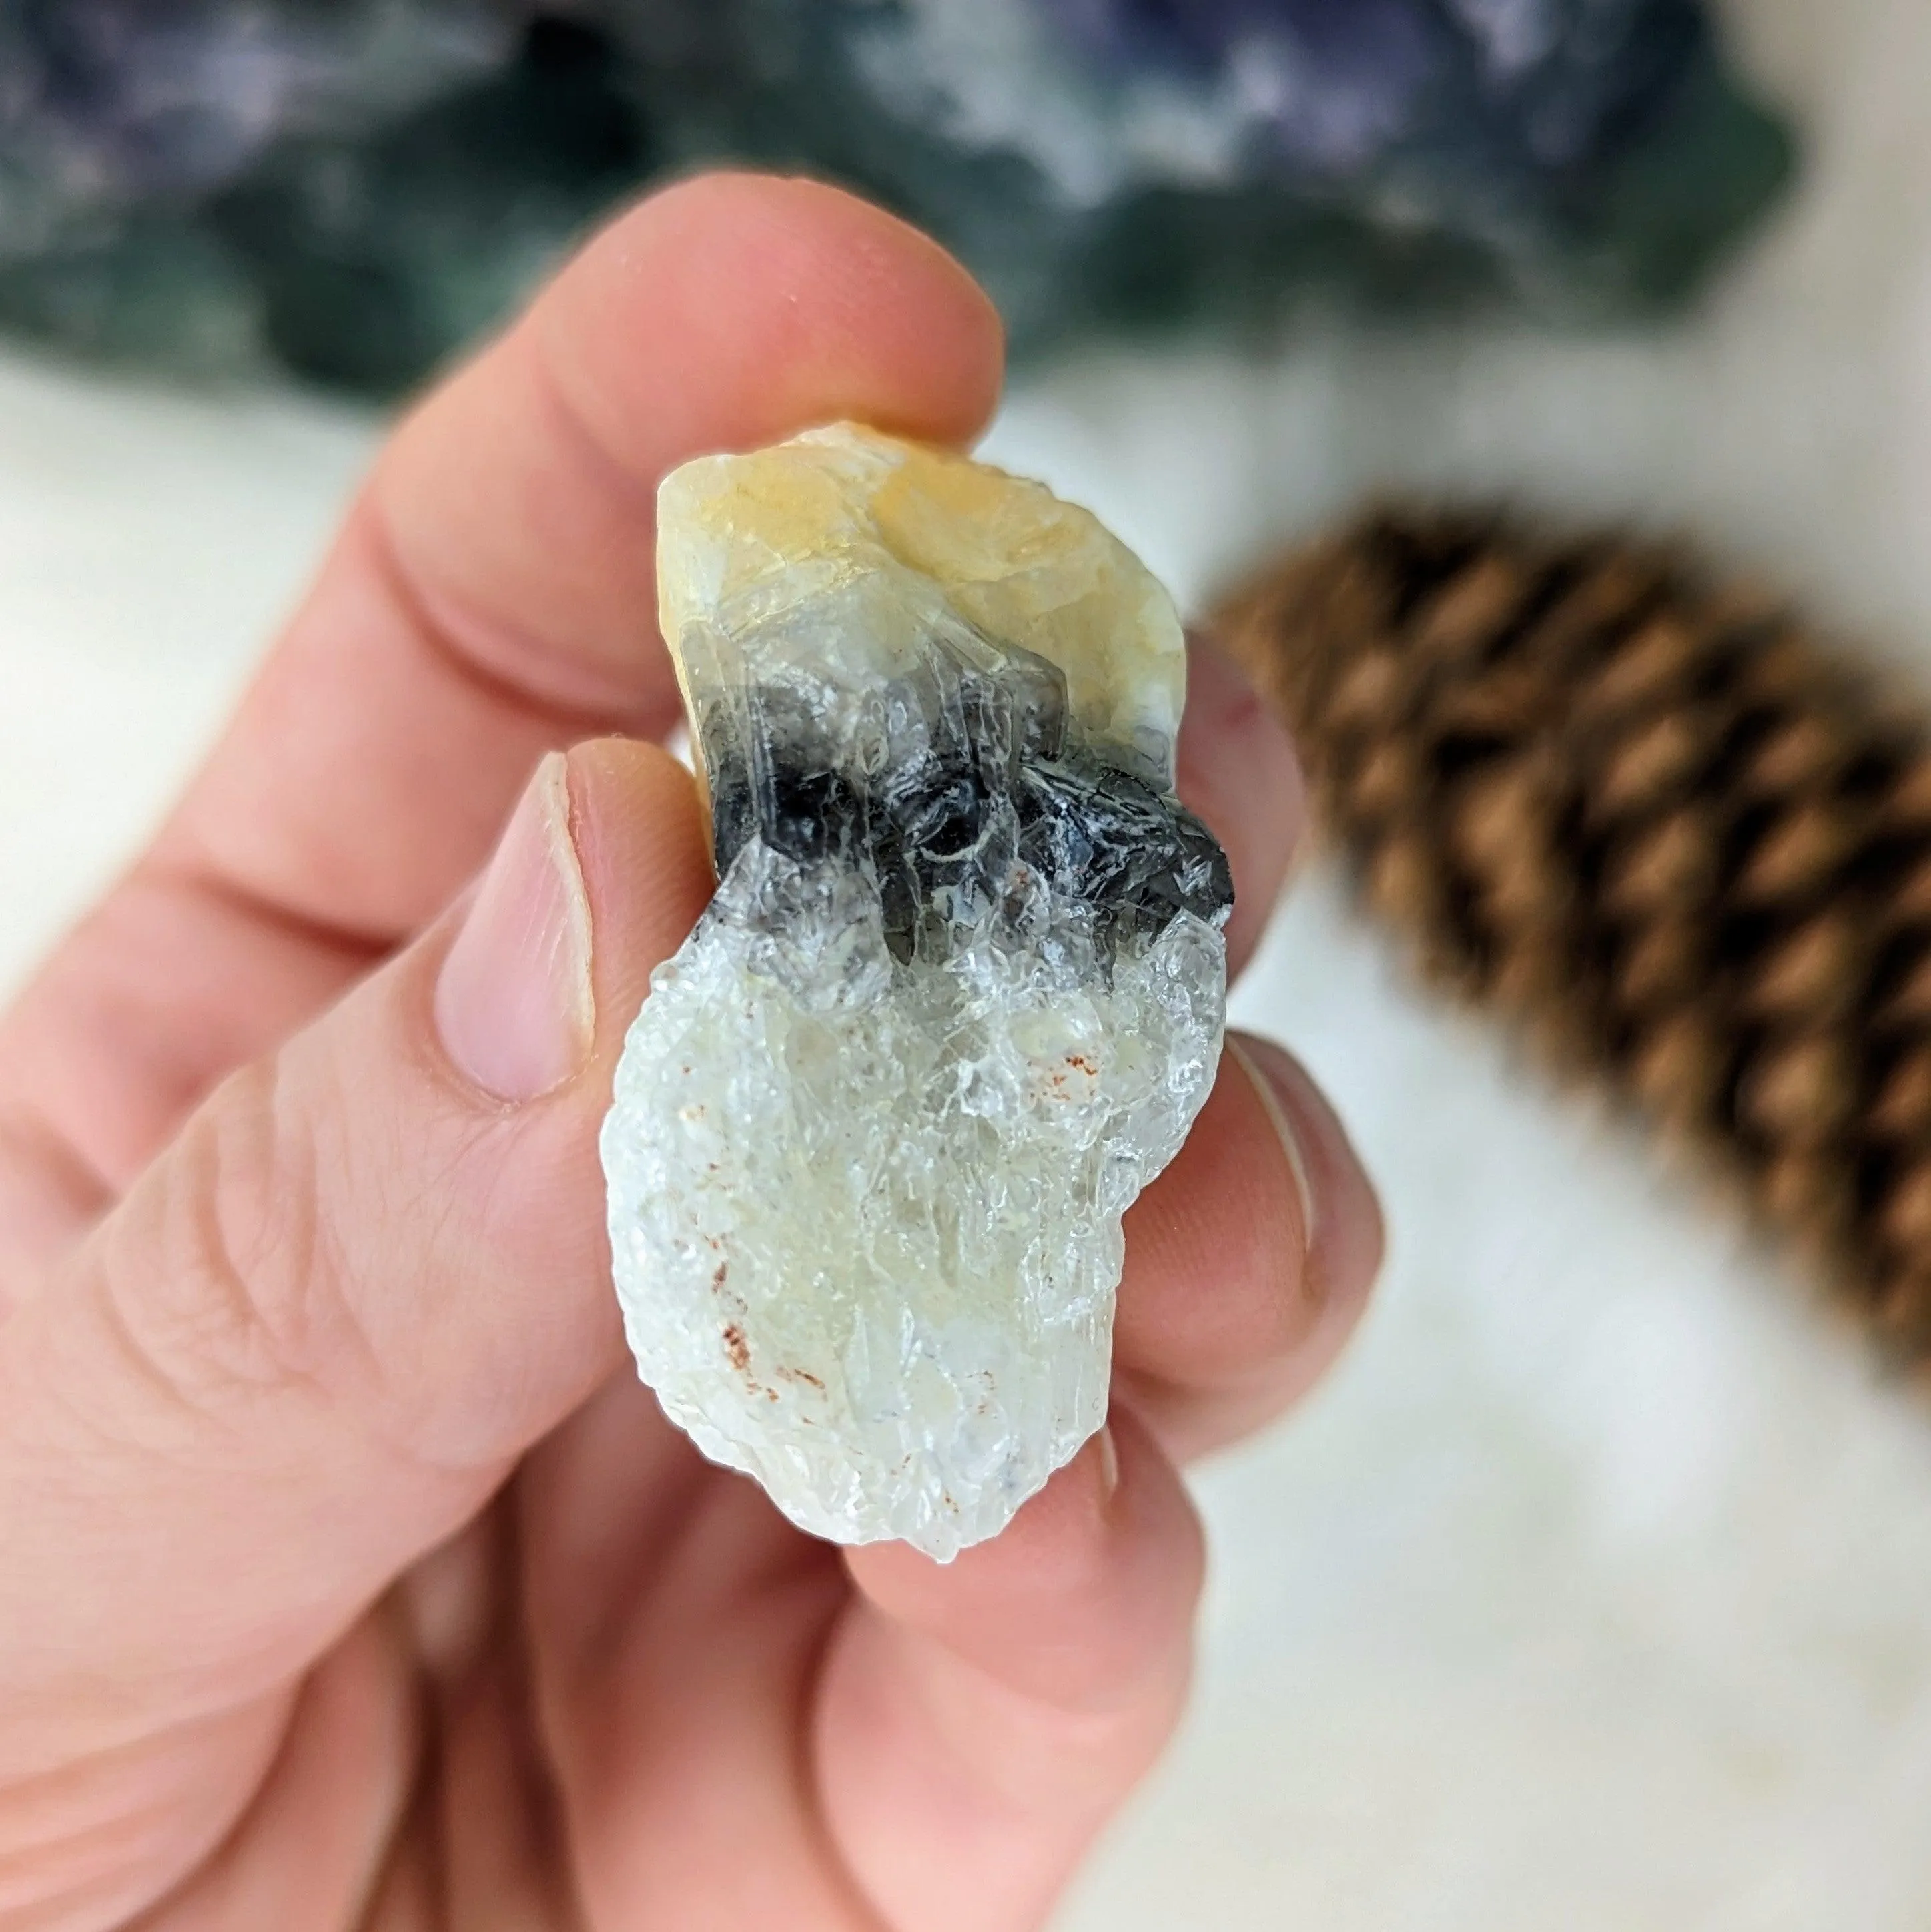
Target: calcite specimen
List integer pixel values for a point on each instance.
(958, 996)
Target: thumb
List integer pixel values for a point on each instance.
(366, 1276)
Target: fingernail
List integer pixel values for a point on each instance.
(514, 1003)
(1228, 719)
(1277, 1101)
(1238, 768)
(1109, 1463)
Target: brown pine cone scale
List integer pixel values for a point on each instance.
(1660, 826)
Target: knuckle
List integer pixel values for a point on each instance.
(223, 1278)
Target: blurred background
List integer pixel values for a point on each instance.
(1594, 1590)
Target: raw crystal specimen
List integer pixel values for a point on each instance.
(958, 999)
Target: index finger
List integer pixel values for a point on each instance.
(494, 588)
(490, 597)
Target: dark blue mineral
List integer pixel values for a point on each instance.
(977, 795)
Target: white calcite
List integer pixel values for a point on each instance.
(958, 997)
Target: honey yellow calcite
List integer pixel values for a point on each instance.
(845, 507)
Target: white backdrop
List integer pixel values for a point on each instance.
(1595, 1592)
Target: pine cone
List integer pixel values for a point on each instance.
(1657, 825)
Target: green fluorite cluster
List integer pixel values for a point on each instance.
(355, 188)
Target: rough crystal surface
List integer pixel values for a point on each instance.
(958, 996)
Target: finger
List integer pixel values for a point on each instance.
(977, 1723)
(1248, 1261)
(504, 545)
(308, 1853)
(708, 1684)
(678, 1621)
(1237, 770)
(490, 597)
(366, 1275)
(89, 1844)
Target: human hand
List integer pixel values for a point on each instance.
(348, 1576)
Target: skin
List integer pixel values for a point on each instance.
(352, 1580)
